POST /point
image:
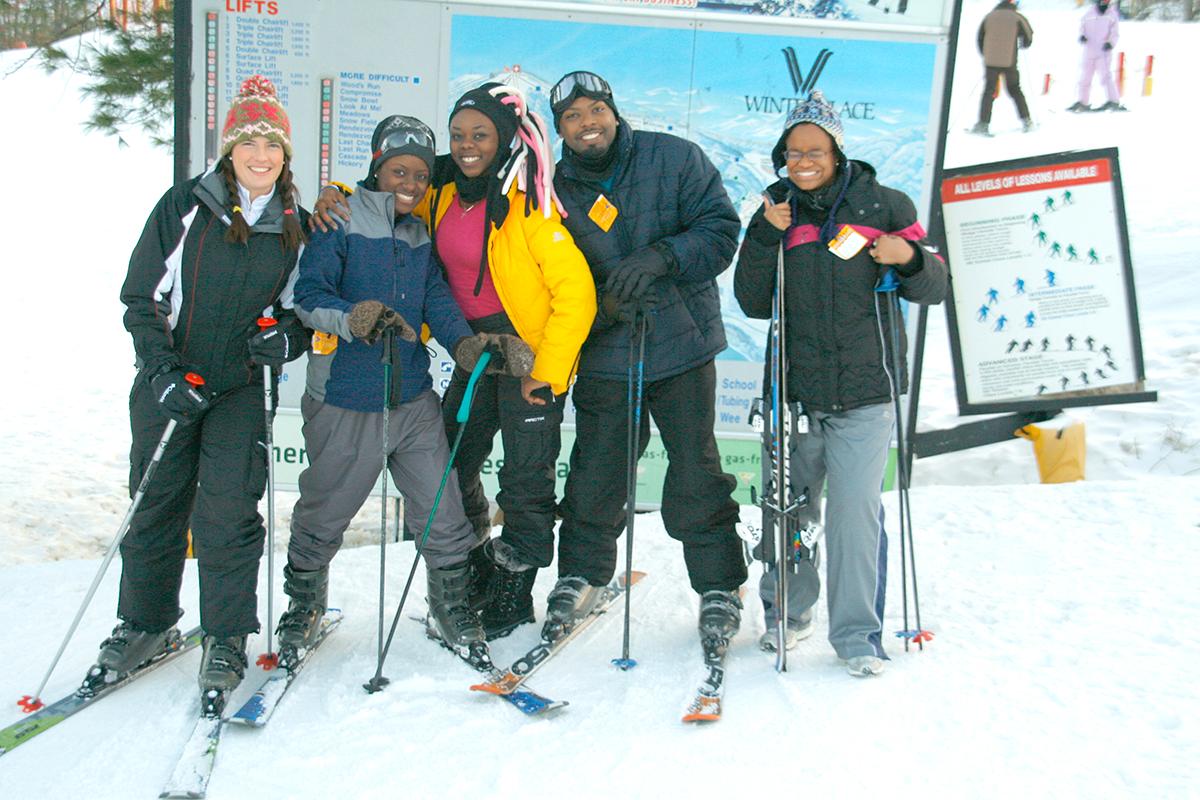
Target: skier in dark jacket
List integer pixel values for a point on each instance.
(651, 215)
(1002, 31)
(218, 252)
(837, 333)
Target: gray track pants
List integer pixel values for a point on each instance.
(345, 451)
(848, 451)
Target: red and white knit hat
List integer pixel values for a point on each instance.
(256, 111)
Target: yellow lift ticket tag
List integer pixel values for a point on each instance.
(847, 243)
(603, 213)
(324, 343)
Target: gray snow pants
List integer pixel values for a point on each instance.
(847, 451)
(345, 452)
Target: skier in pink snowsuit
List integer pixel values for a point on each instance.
(1098, 35)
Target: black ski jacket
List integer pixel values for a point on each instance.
(192, 299)
(668, 193)
(835, 358)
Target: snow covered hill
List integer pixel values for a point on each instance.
(1062, 659)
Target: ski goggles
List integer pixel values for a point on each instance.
(574, 84)
(408, 132)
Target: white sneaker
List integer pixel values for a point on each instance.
(792, 636)
(864, 666)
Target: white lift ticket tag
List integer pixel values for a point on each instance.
(847, 243)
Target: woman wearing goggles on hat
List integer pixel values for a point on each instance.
(513, 269)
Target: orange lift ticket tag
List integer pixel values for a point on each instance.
(324, 343)
(847, 243)
(603, 213)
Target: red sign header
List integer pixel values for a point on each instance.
(1031, 179)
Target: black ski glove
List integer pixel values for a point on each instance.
(178, 399)
(634, 274)
(1108, 45)
(629, 311)
(510, 355)
(370, 318)
(1083, 40)
(279, 344)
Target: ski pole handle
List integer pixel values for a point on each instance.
(464, 408)
(266, 322)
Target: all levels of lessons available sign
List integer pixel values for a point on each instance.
(1042, 299)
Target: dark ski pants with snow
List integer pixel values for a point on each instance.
(697, 504)
(845, 454)
(531, 435)
(345, 459)
(1012, 83)
(213, 472)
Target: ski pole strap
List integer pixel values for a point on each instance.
(464, 408)
(889, 282)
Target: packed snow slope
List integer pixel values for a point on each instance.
(1061, 664)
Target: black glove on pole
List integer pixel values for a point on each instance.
(633, 275)
(179, 398)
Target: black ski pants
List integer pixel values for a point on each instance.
(1012, 83)
(698, 508)
(531, 435)
(213, 472)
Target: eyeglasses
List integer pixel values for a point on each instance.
(573, 84)
(800, 155)
(408, 131)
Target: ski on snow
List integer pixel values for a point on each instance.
(194, 768)
(706, 703)
(95, 686)
(257, 710)
(506, 683)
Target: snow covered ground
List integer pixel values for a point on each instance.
(1062, 664)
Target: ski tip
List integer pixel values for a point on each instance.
(701, 717)
(268, 661)
(624, 664)
(489, 688)
(30, 704)
(634, 577)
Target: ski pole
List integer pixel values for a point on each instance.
(782, 449)
(634, 421)
(378, 681)
(33, 702)
(920, 635)
(270, 659)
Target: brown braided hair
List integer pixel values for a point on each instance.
(239, 229)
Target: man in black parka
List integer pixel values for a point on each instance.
(650, 213)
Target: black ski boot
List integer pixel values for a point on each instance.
(510, 592)
(223, 664)
(571, 599)
(720, 618)
(481, 575)
(450, 616)
(128, 647)
(300, 625)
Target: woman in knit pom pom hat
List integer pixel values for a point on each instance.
(513, 269)
(218, 252)
(841, 234)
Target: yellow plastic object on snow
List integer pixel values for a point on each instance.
(1061, 454)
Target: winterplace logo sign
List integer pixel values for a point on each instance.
(802, 84)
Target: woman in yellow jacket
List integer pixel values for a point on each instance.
(513, 268)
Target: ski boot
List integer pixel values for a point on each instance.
(1112, 105)
(1027, 125)
(1079, 108)
(981, 128)
(571, 599)
(300, 625)
(128, 648)
(510, 592)
(720, 618)
(482, 568)
(222, 668)
(450, 616)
